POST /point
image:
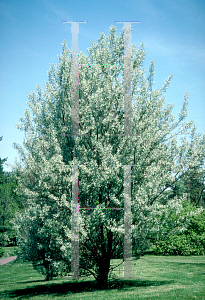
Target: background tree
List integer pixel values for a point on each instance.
(10, 203)
(194, 182)
(188, 240)
(49, 152)
(3, 228)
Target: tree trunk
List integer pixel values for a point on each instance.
(102, 278)
(49, 275)
(49, 269)
(104, 264)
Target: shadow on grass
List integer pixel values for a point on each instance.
(186, 263)
(58, 289)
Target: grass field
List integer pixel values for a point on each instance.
(154, 277)
(10, 251)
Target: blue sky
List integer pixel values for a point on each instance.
(31, 34)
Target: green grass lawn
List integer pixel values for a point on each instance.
(154, 277)
(10, 251)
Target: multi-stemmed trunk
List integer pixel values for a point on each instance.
(104, 263)
(102, 278)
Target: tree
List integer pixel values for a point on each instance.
(194, 182)
(9, 204)
(2, 161)
(49, 153)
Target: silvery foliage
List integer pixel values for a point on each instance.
(44, 174)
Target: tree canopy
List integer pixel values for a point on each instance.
(49, 152)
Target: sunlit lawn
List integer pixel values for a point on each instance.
(10, 251)
(154, 277)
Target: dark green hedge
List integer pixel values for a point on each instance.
(191, 242)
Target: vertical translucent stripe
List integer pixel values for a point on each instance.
(127, 80)
(75, 31)
(74, 81)
(75, 228)
(127, 259)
